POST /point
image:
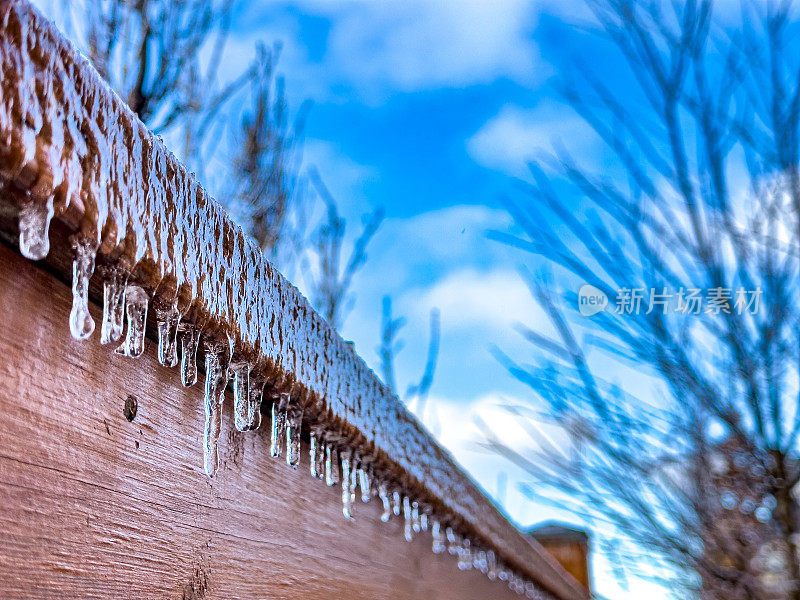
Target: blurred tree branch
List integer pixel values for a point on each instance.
(700, 189)
(390, 346)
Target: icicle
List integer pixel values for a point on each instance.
(383, 494)
(363, 483)
(438, 538)
(353, 479)
(254, 405)
(464, 555)
(190, 340)
(114, 283)
(277, 428)
(407, 524)
(216, 381)
(167, 321)
(530, 590)
(479, 561)
(346, 458)
(294, 422)
(396, 503)
(452, 541)
(81, 324)
(241, 395)
(34, 226)
(415, 517)
(423, 520)
(136, 300)
(491, 565)
(317, 454)
(331, 465)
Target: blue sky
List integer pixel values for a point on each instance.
(429, 109)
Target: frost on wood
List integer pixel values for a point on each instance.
(70, 149)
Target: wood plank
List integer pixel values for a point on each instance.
(94, 506)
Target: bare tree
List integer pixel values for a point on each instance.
(163, 59)
(391, 345)
(266, 172)
(699, 196)
(332, 275)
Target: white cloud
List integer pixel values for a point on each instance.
(492, 300)
(378, 48)
(419, 45)
(509, 140)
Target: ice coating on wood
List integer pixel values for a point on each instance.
(81, 324)
(136, 302)
(114, 282)
(34, 227)
(68, 142)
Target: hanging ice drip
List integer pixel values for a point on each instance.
(408, 529)
(217, 358)
(464, 555)
(383, 494)
(241, 395)
(452, 541)
(331, 464)
(491, 565)
(81, 324)
(423, 517)
(396, 503)
(438, 536)
(136, 301)
(115, 280)
(415, 522)
(317, 452)
(348, 485)
(167, 321)
(364, 481)
(34, 227)
(294, 422)
(189, 336)
(278, 425)
(253, 421)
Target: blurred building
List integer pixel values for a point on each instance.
(569, 546)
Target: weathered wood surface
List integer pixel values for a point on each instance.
(94, 506)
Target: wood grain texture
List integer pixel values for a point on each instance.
(95, 506)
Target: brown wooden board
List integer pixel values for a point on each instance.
(95, 506)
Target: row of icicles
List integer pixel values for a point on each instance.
(124, 299)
